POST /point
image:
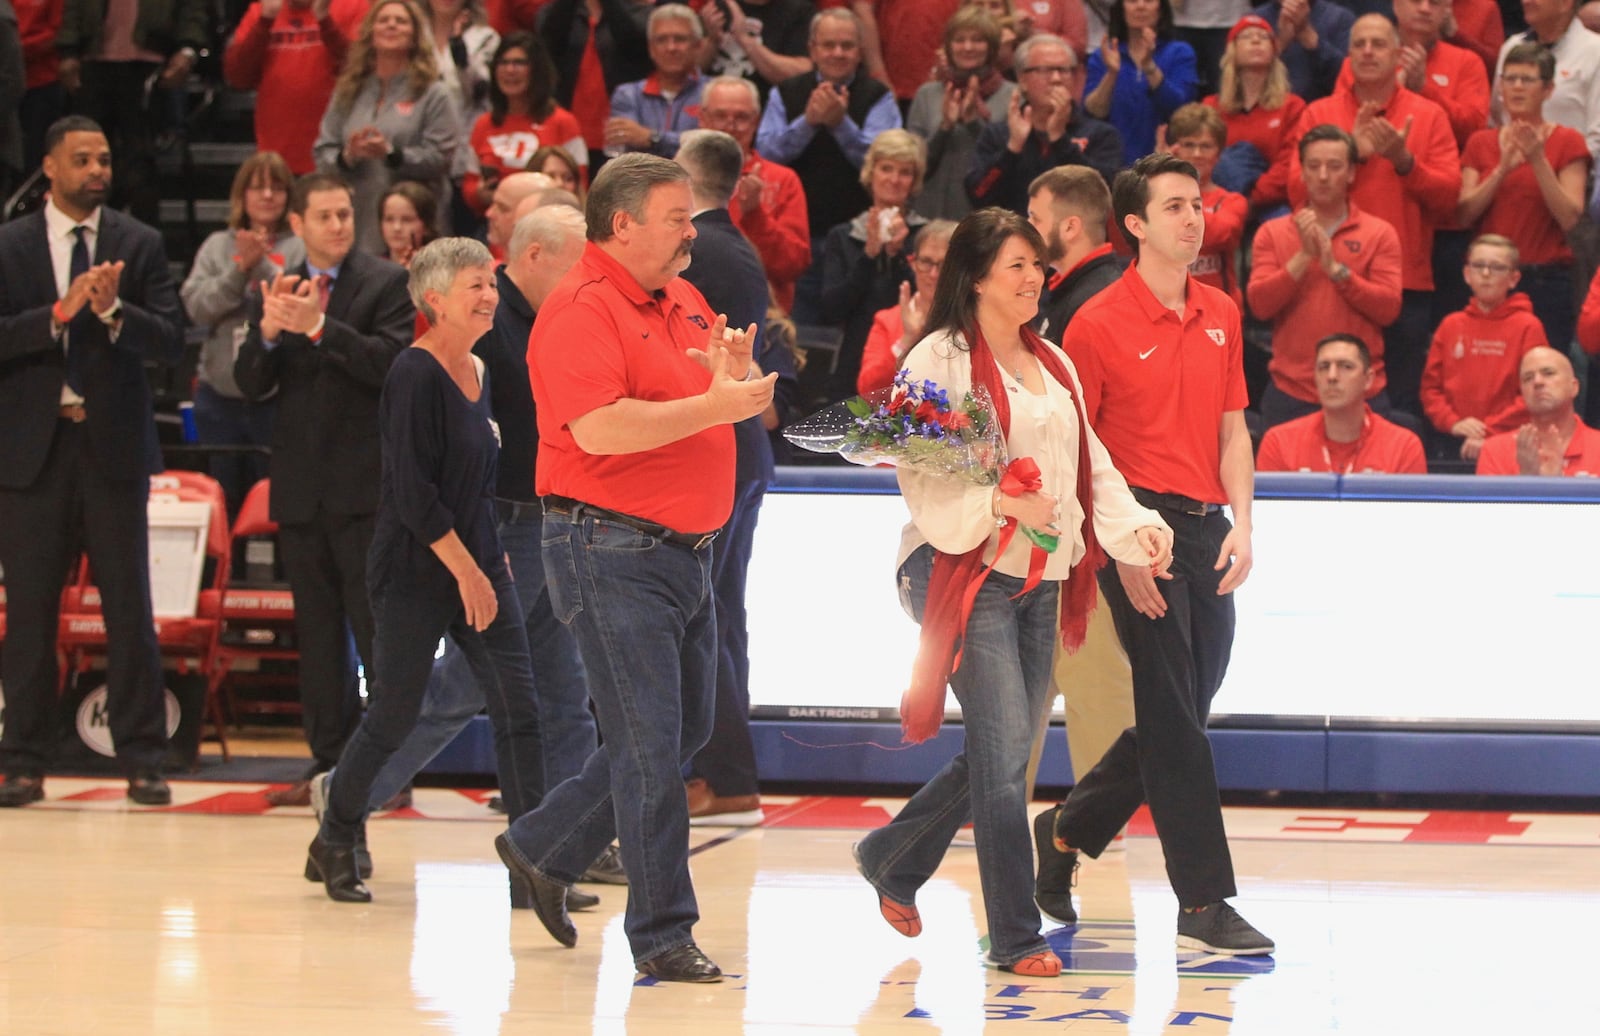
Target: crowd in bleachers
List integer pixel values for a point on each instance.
(864, 120)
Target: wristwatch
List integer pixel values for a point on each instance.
(655, 141)
(112, 315)
(1340, 274)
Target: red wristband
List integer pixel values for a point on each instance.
(55, 313)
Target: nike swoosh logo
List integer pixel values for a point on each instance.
(1147, 352)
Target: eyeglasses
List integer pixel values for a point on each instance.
(1519, 80)
(1048, 70)
(1481, 266)
(926, 265)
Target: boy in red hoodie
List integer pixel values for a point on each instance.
(1469, 386)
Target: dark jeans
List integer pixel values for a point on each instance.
(728, 761)
(1405, 350)
(1002, 685)
(326, 563)
(646, 625)
(222, 421)
(72, 506)
(411, 617)
(455, 692)
(1178, 664)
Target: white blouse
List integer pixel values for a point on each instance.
(956, 516)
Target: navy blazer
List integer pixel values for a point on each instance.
(325, 440)
(121, 425)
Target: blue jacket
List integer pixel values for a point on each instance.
(644, 103)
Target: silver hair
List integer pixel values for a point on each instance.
(624, 185)
(714, 161)
(1037, 40)
(741, 82)
(550, 226)
(834, 12)
(436, 264)
(676, 13)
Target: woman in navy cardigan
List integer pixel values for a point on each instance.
(436, 566)
(1140, 75)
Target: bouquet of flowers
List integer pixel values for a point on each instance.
(915, 424)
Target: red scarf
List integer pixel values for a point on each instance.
(957, 578)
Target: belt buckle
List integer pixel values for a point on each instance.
(704, 541)
(1197, 509)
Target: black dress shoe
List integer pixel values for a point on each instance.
(522, 896)
(684, 964)
(549, 900)
(149, 788)
(20, 789)
(336, 869)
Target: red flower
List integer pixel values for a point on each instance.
(928, 412)
(957, 422)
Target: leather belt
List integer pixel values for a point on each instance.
(73, 412)
(569, 508)
(1174, 502)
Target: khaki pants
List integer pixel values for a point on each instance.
(1097, 686)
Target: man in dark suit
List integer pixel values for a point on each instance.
(722, 788)
(85, 299)
(322, 336)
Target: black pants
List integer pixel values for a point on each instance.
(412, 616)
(113, 94)
(728, 760)
(326, 562)
(1405, 350)
(1165, 759)
(72, 506)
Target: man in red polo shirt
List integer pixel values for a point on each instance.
(1329, 265)
(1345, 436)
(1555, 441)
(769, 204)
(1161, 361)
(637, 385)
(1409, 177)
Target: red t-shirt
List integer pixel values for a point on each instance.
(508, 147)
(878, 362)
(1303, 445)
(1474, 363)
(1155, 386)
(601, 337)
(291, 65)
(910, 34)
(1518, 210)
(1581, 459)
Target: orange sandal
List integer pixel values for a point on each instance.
(1036, 965)
(903, 919)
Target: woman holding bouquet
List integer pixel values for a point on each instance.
(961, 543)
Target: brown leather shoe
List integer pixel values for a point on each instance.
(296, 794)
(708, 809)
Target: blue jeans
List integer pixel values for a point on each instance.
(454, 697)
(1002, 685)
(646, 626)
(409, 617)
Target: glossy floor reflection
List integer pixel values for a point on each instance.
(127, 922)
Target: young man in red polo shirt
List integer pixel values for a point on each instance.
(1329, 265)
(1555, 441)
(1345, 436)
(1409, 177)
(1160, 359)
(637, 387)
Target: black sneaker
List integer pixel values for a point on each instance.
(1218, 928)
(1058, 871)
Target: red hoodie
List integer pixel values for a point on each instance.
(1473, 364)
(38, 21)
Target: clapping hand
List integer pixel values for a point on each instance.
(827, 105)
(1111, 55)
(288, 303)
(1539, 450)
(249, 248)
